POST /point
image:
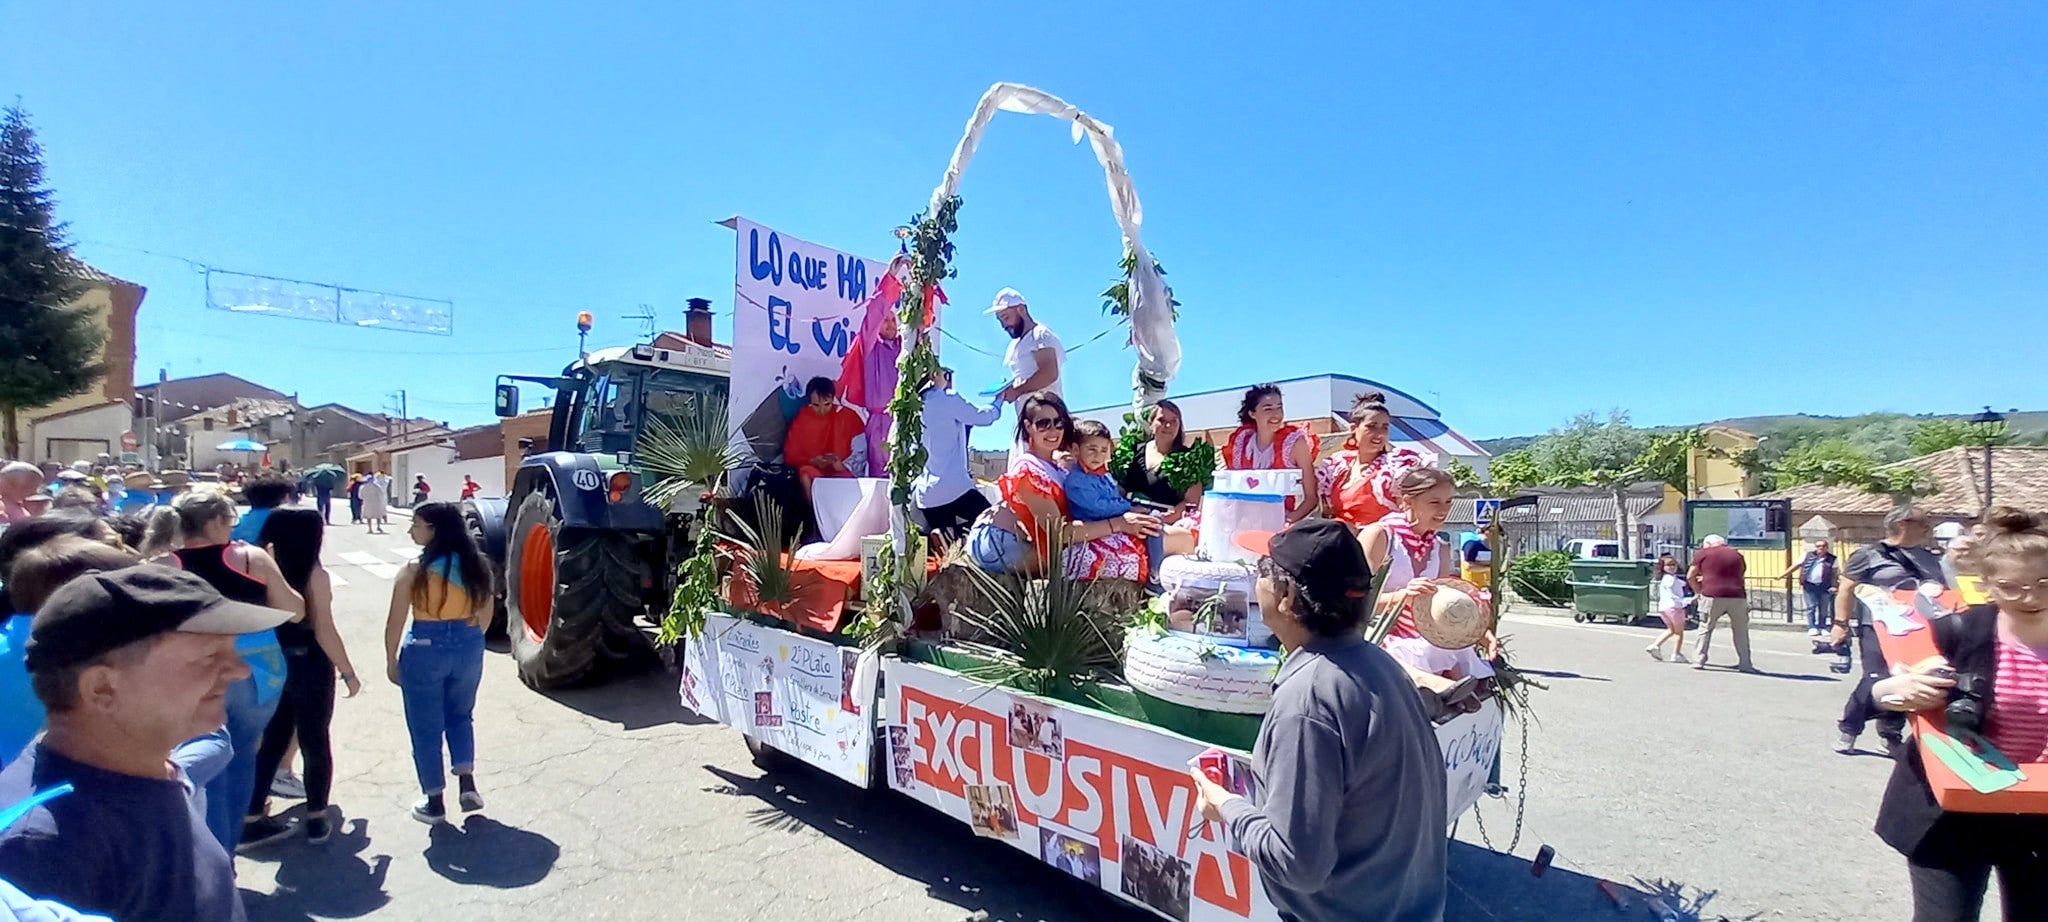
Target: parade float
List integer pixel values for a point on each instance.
(1055, 715)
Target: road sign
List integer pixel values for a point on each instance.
(130, 441)
(1484, 510)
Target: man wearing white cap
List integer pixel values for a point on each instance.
(1034, 354)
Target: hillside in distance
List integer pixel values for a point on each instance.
(2024, 424)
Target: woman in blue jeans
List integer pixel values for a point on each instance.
(438, 660)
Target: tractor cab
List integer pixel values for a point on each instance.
(608, 400)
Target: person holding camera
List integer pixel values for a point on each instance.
(1905, 557)
(1991, 678)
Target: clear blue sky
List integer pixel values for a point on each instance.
(1512, 211)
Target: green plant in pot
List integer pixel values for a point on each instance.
(763, 569)
(1041, 636)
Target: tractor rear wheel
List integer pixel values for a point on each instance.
(572, 597)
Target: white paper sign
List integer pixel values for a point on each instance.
(796, 309)
(808, 698)
(1104, 799)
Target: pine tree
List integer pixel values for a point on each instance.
(47, 351)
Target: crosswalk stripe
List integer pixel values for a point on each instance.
(361, 558)
(405, 556)
(336, 579)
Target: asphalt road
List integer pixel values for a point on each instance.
(1715, 791)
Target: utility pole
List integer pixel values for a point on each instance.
(403, 416)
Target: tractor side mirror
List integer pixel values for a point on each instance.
(507, 402)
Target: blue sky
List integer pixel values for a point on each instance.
(1513, 211)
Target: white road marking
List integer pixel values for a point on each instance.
(1568, 624)
(370, 564)
(336, 579)
(405, 556)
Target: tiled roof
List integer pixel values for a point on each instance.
(2019, 477)
(87, 272)
(1576, 504)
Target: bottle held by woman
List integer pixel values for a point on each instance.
(434, 653)
(1991, 676)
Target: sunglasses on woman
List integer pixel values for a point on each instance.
(1043, 423)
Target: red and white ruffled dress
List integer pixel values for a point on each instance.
(1362, 494)
(1113, 556)
(1414, 558)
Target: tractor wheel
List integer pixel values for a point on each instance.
(572, 597)
(475, 525)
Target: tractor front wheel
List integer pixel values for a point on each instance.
(572, 597)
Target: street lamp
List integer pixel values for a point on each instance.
(1986, 420)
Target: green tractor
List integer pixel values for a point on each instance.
(579, 555)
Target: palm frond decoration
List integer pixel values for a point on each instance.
(1042, 633)
(760, 558)
(674, 459)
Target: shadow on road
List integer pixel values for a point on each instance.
(1487, 886)
(635, 702)
(1558, 674)
(485, 852)
(330, 881)
(987, 879)
(994, 882)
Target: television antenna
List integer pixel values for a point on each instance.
(646, 318)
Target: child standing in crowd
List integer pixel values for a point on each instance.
(1673, 595)
(314, 657)
(1999, 652)
(438, 661)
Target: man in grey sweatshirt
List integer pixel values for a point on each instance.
(1350, 820)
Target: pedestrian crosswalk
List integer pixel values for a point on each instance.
(376, 566)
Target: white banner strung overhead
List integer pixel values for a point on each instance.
(796, 310)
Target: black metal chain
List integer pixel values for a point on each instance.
(1521, 796)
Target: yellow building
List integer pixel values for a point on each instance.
(1711, 469)
(91, 422)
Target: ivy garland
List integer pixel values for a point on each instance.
(1195, 464)
(929, 243)
(697, 590)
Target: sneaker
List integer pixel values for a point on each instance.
(1813, 632)
(1700, 662)
(262, 831)
(430, 810)
(471, 801)
(319, 829)
(1847, 744)
(1679, 657)
(1747, 669)
(287, 784)
(1656, 653)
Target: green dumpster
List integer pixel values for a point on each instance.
(1617, 589)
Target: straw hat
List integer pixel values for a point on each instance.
(1453, 619)
(177, 478)
(140, 480)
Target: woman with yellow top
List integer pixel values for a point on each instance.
(438, 661)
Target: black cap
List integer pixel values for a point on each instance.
(1326, 563)
(99, 613)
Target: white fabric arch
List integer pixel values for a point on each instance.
(1152, 333)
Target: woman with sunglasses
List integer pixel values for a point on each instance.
(1264, 442)
(1016, 536)
(1991, 677)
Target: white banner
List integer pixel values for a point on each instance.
(795, 312)
(1104, 799)
(805, 697)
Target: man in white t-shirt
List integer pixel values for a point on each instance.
(1034, 354)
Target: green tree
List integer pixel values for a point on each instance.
(1935, 435)
(1669, 457)
(1590, 451)
(1462, 475)
(1834, 461)
(1510, 471)
(47, 351)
